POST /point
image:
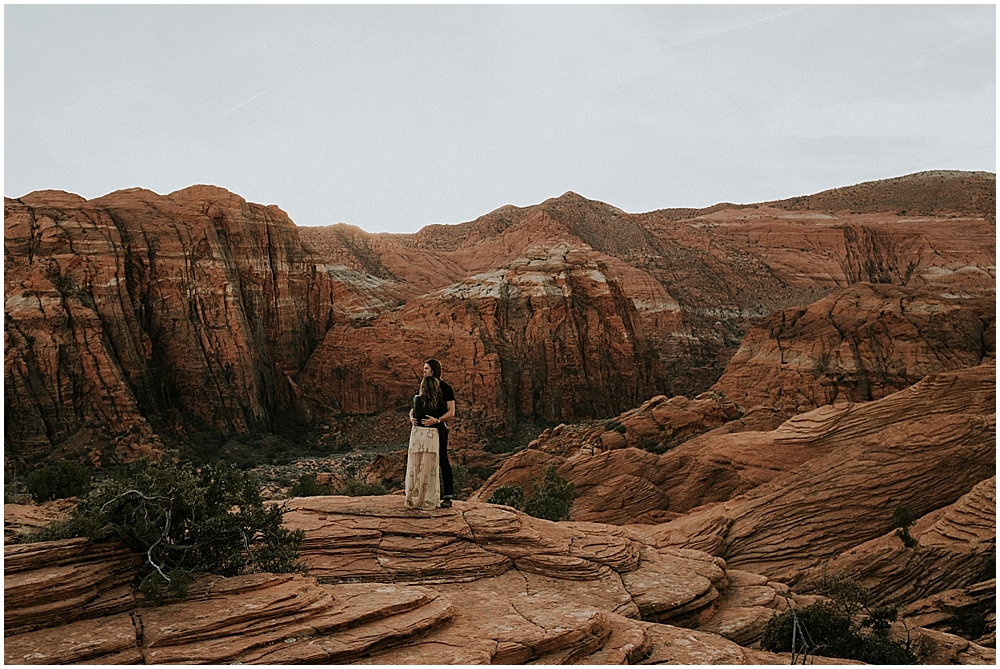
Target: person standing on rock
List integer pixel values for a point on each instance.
(422, 487)
(432, 368)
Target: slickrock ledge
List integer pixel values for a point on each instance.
(839, 474)
(952, 544)
(475, 583)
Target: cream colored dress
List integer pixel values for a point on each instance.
(423, 473)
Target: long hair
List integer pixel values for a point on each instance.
(430, 391)
(435, 367)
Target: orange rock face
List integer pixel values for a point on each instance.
(829, 480)
(858, 344)
(134, 317)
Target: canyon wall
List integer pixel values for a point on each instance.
(137, 318)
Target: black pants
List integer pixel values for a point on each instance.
(447, 481)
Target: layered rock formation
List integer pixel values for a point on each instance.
(859, 343)
(831, 479)
(137, 317)
(472, 584)
(953, 546)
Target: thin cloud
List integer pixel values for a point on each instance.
(246, 102)
(730, 29)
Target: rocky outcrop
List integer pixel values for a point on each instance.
(475, 583)
(838, 473)
(859, 343)
(388, 585)
(503, 337)
(135, 315)
(952, 547)
(21, 519)
(59, 583)
(618, 483)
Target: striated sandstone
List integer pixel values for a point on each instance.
(502, 337)
(135, 315)
(626, 485)
(579, 598)
(145, 297)
(952, 543)
(893, 452)
(78, 581)
(566, 593)
(858, 344)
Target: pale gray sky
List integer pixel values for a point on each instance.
(394, 117)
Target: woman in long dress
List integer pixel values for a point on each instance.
(423, 479)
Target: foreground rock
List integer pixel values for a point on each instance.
(472, 584)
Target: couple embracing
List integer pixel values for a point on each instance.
(427, 465)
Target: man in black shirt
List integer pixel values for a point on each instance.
(433, 368)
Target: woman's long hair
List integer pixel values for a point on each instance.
(430, 390)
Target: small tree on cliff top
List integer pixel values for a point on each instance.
(187, 521)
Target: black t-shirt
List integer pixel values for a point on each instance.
(447, 393)
(420, 412)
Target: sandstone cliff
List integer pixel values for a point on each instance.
(137, 315)
(134, 318)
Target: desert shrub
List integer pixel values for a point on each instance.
(552, 498)
(501, 446)
(307, 486)
(460, 476)
(989, 568)
(903, 519)
(613, 425)
(356, 487)
(15, 492)
(58, 480)
(188, 521)
(835, 628)
(508, 495)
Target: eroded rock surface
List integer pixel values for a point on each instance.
(474, 583)
(840, 472)
(860, 343)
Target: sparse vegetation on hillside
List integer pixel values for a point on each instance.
(185, 521)
(845, 626)
(307, 486)
(58, 480)
(904, 519)
(551, 499)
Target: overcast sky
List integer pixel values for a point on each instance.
(394, 117)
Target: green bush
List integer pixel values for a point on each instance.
(356, 487)
(903, 519)
(188, 521)
(829, 629)
(508, 495)
(58, 480)
(551, 499)
(307, 486)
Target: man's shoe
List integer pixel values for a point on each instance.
(445, 504)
